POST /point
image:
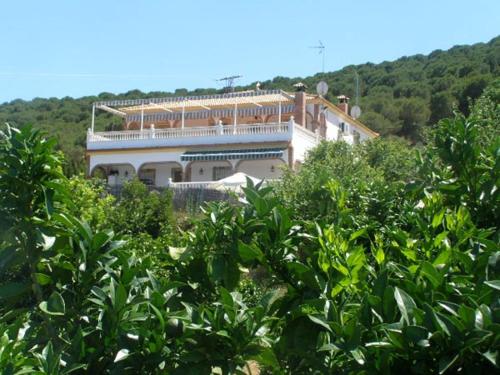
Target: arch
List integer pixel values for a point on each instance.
(159, 173)
(115, 173)
(261, 168)
(227, 120)
(257, 119)
(285, 117)
(163, 124)
(133, 126)
(99, 172)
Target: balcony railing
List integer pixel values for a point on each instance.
(206, 131)
(191, 135)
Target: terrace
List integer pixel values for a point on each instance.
(242, 117)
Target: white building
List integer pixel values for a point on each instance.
(207, 138)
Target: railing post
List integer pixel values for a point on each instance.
(235, 114)
(183, 113)
(142, 118)
(220, 128)
(291, 125)
(279, 112)
(93, 118)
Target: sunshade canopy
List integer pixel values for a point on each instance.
(248, 154)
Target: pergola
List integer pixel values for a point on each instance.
(231, 101)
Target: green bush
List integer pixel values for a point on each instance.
(140, 211)
(376, 272)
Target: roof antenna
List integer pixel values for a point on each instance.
(229, 82)
(322, 51)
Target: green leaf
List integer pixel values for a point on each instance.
(267, 358)
(446, 363)
(416, 335)
(430, 272)
(379, 255)
(320, 321)
(405, 303)
(54, 305)
(358, 356)
(9, 257)
(491, 356)
(121, 355)
(358, 233)
(14, 289)
(438, 218)
(249, 252)
(158, 315)
(495, 284)
(43, 279)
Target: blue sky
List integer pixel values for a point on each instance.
(57, 48)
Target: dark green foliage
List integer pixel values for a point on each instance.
(374, 171)
(381, 271)
(140, 211)
(397, 98)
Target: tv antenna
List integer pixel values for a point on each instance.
(229, 82)
(321, 51)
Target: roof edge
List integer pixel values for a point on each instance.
(346, 116)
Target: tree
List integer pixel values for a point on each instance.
(414, 114)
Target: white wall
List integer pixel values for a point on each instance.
(333, 128)
(135, 158)
(303, 141)
(207, 169)
(162, 172)
(262, 168)
(125, 173)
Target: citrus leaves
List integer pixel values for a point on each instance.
(54, 305)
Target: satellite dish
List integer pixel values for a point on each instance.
(322, 88)
(355, 111)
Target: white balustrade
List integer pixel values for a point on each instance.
(307, 134)
(206, 131)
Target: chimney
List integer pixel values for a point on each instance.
(343, 103)
(300, 108)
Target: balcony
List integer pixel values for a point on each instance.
(191, 136)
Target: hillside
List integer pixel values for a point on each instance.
(398, 97)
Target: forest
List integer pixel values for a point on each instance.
(400, 98)
(376, 258)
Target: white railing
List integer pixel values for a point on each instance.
(307, 134)
(205, 131)
(268, 128)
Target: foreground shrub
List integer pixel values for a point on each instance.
(369, 283)
(140, 211)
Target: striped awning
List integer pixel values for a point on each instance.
(248, 154)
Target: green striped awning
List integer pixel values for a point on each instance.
(248, 154)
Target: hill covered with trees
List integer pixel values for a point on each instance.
(397, 98)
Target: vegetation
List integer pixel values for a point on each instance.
(371, 259)
(397, 98)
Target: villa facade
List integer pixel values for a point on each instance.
(207, 138)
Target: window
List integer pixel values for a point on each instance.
(221, 172)
(176, 174)
(342, 127)
(147, 176)
(357, 136)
